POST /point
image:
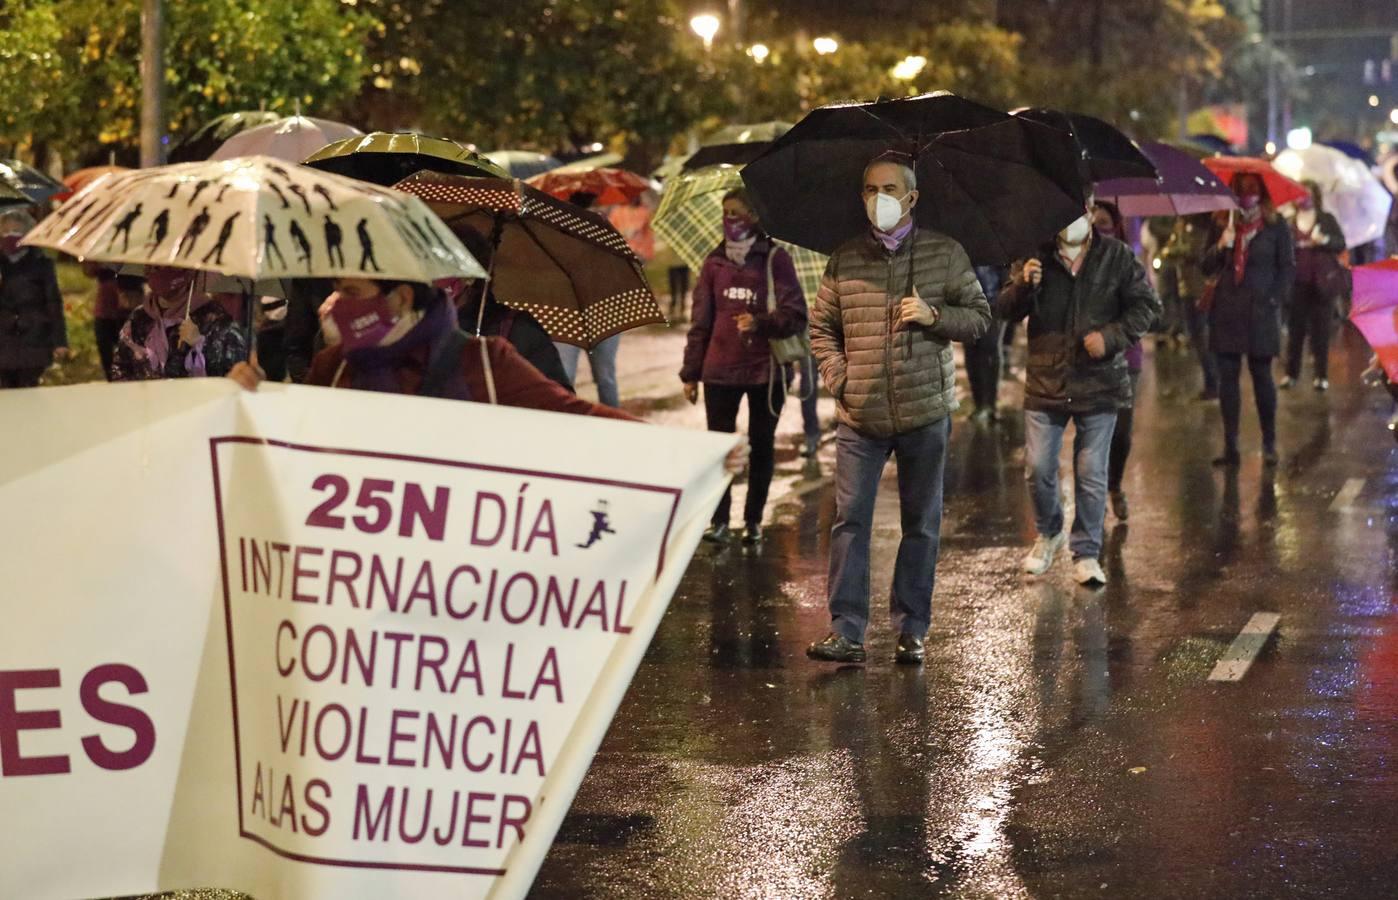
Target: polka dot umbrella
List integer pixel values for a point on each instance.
(566, 266)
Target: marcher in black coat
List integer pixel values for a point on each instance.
(1253, 266)
(33, 332)
(1321, 279)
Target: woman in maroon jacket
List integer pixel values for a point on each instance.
(728, 348)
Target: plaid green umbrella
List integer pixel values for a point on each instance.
(690, 220)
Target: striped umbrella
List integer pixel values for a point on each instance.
(690, 220)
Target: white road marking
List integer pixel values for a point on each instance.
(1245, 647)
(1347, 495)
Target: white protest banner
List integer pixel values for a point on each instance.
(311, 643)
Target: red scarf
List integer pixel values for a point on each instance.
(1245, 231)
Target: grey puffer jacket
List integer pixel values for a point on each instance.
(889, 379)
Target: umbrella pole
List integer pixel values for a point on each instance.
(496, 235)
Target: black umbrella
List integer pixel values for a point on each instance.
(200, 145)
(1109, 153)
(998, 184)
(735, 145)
(29, 181)
(386, 158)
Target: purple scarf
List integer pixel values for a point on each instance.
(156, 348)
(375, 368)
(892, 240)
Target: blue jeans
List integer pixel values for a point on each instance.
(859, 465)
(602, 361)
(1092, 443)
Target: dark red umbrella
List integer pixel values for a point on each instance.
(1280, 189)
(599, 187)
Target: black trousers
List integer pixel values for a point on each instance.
(271, 352)
(1312, 313)
(983, 366)
(721, 404)
(1121, 438)
(21, 378)
(1230, 397)
(679, 290)
(107, 332)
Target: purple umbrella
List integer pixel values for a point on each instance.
(1185, 187)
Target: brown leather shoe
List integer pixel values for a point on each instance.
(836, 648)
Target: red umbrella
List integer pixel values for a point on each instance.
(605, 187)
(1280, 189)
(76, 181)
(1375, 311)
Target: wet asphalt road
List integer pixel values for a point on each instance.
(1059, 742)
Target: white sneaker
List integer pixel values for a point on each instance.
(1040, 558)
(1089, 571)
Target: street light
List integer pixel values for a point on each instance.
(1374, 100)
(825, 45)
(759, 53)
(706, 26)
(1299, 138)
(909, 67)
(1393, 117)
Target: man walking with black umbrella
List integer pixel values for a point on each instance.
(1087, 300)
(889, 305)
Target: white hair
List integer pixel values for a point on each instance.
(909, 176)
(25, 220)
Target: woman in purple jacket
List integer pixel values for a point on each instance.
(728, 349)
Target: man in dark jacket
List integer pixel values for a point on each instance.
(1088, 300)
(33, 333)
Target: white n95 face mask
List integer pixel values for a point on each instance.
(884, 210)
(1076, 232)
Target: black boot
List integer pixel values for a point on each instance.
(910, 651)
(717, 534)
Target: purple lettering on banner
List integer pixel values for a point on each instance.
(369, 499)
(516, 822)
(290, 666)
(472, 819)
(432, 518)
(119, 714)
(343, 578)
(421, 833)
(620, 614)
(466, 744)
(344, 714)
(494, 539)
(450, 592)
(298, 573)
(362, 580)
(13, 721)
(394, 736)
(378, 577)
(424, 588)
(318, 806)
(382, 819)
(331, 655)
(323, 515)
(434, 663)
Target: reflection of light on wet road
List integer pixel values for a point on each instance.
(770, 832)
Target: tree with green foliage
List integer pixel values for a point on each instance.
(79, 63)
(534, 73)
